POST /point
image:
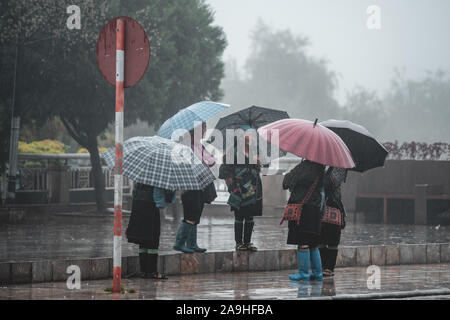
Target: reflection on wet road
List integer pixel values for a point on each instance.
(82, 237)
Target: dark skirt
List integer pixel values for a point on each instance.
(308, 230)
(330, 234)
(254, 210)
(193, 203)
(144, 226)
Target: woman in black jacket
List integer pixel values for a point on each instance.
(331, 232)
(144, 226)
(306, 179)
(245, 187)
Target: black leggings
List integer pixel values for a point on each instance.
(193, 204)
(243, 228)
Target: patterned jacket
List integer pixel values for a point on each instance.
(301, 178)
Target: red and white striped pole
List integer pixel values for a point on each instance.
(118, 172)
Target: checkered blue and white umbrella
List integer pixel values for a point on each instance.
(186, 118)
(162, 163)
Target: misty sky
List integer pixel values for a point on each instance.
(414, 35)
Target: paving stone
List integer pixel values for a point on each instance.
(197, 263)
(378, 255)
(59, 269)
(346, 257)
(224, 262)
(21, 272)
(392, 255)
(433, 253)
(272, 261)
(419, 253)
(363, 256)
(190, 263)
(99, 268)
(288, 259)
(209, 262)
(256, 261)
(406, 254)
(172, 264)
(41, 271)
(240, 261)
(5, 273)
(445, 252)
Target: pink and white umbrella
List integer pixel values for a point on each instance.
(309, 140)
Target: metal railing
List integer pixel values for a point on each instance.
(34, 170)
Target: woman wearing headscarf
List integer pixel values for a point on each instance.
(306, 181)
(193, 203)
(245, 187)
(144, 226)
(331, 228)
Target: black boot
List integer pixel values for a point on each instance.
(238, 232)
(152, 264)
(248, 230)
(142, 262)
(152, 267)
(324, 257)
(332, 257)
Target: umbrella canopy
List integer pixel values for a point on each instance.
(185, 118)
(161, 163)
(367, 152)
(311, 141)
(253, 117)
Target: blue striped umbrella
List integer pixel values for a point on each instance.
(186, 118)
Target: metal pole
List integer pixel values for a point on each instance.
(118, 173)
(13, 139)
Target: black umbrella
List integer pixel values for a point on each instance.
(254, 117)
(367, 152)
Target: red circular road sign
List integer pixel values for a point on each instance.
(137, 51)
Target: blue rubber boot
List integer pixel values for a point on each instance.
(191, 241)
(316, 265)
(303, 266)
(182, 234)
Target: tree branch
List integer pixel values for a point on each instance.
(72, 132)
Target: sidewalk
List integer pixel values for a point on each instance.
(349, 283)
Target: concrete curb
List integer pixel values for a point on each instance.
(223, 261)
(384, 295)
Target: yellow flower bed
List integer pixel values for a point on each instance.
(43, 146)
(84, 150)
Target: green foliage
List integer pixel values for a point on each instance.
(58, 74)
(110, 290)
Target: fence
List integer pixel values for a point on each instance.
(56, 178)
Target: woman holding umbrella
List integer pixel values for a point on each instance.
(158, 167)
(144, 226)
(367, 153)
(331, 227)
(306, 181)
(193, 203)
(245, 187)
(319, 147)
